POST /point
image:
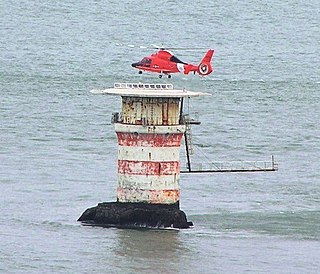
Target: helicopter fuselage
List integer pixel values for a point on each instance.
(164, 62)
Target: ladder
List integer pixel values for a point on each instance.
(232, 166)
(188, 134)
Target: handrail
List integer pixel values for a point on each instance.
(142, 86)
(234, 166)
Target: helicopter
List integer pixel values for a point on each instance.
(165, 62)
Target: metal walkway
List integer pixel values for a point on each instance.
(233, 166)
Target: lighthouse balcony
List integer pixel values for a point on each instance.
(163, 129)
(155, 120)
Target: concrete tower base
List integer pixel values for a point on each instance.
(135, 215)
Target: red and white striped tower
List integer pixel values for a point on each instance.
(149, 131)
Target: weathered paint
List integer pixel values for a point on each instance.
(145, 92)
(151, 111)
(150, 196)
(153, 154)
(168, 196)
(149, 140)
(149, 182)
(148, 168)
(176, 129)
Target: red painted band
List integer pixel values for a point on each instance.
(148, 168)
(149, 139)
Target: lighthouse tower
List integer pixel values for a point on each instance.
(149, 130)
(149, 137)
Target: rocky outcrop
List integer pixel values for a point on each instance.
(134, 215)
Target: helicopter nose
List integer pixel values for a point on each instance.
(134, 65)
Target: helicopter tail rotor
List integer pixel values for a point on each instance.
(205, 66)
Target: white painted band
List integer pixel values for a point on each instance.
(148, 182)
(149, 129)
(154, 154)
(170, 196)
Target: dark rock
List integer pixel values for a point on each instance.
(118, 214)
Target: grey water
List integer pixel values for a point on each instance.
(58, 148)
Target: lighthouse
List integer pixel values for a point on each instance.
(149, 130)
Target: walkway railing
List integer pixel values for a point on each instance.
(142, 86)
(233, 166)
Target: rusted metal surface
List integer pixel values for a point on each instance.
(150, 111)
(149, 129)
(126, 128)
(149, 163)
(168, 196)
(148, 168)
(154, 154)
(149, 182)
(149, 140)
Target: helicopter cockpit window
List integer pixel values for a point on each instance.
(176, 60)
(145, 62)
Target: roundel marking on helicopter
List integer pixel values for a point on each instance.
(204, 68)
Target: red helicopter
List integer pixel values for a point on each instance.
(164, 62)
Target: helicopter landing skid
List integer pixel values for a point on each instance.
(169, 76)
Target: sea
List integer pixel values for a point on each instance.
(58, 148)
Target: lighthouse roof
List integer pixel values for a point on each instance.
(147, 90)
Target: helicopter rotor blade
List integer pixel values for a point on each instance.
(157, 47)
(187, 49)
(178, 48)
(154, 46)
(131, 46)
(141, 47)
